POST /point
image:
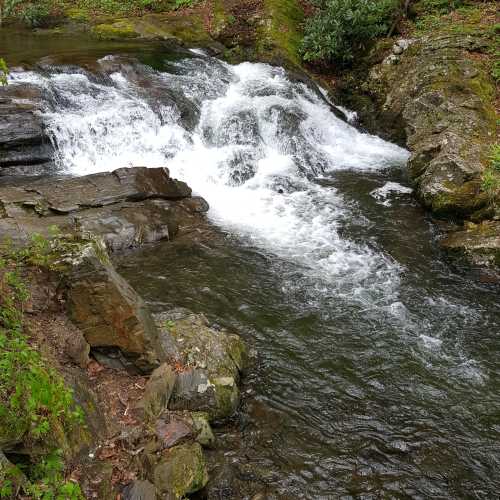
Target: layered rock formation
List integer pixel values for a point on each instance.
(434, 94)
(24, 145)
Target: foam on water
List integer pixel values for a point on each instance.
(259, 142)
(254, 148)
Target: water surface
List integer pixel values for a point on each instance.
(376, 372)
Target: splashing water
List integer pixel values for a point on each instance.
(390, 335)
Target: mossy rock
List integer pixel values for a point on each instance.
(279, 36)
(77, 15)
(182, 471)
(202, 428)
(117, 30)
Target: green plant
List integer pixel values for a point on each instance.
(490, 181)
(495, 157)
(179, 4)
(342, 26)
(36, 407)
(4, 72)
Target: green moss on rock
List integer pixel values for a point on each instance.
(280, 35)
(117, 30)
(181, 471)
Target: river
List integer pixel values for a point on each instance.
(376, 371)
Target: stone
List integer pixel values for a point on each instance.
(158, 391)
(140, 490)
(173, 431)
(216, 359)
(78, 349)
(181, 471)
(108, 311)
(23, 138)
(127, 208)
(477, 245)
(202, 428)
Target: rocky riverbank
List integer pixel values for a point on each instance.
(149, 386)
(434, 92)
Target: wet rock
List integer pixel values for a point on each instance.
(181, 471)
(126, 208)
(216, 359)
(158, 391)
(444, 99)
(23, 138)
(477, 245)
(108, 311)
(140, 490)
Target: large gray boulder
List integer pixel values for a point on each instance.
(215, 360)
(107, 309)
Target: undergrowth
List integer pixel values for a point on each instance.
(490, 183)
(38, 13)
(36, 407)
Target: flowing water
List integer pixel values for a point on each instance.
(376, 369)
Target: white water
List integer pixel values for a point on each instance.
(258, 144)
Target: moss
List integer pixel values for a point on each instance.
(280, 35)
(78, 15)
(459, 201)
(119, 29)
(182, 471)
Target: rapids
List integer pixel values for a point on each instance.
(376, 370)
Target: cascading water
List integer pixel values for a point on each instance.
(248, 139)
(366, 339)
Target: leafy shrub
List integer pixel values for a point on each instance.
(342, 26)
(35, 404)
(440, 6)
(4, 72)
(34, 13)
(490, 182)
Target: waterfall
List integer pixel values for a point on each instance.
(249, 138)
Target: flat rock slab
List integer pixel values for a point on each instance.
(126, 208)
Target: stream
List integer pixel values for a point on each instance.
(375, 368)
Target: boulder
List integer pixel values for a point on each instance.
(477, 245)
(440, 101)
(172, 430)
(157, 392)
(140, 490)
(126, 208)
(215, 359)
(107, 309)
(202, 429)
(181, 471)
(23, 138)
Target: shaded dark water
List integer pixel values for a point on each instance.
(350, 401)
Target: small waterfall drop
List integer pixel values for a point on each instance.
(248, 138)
